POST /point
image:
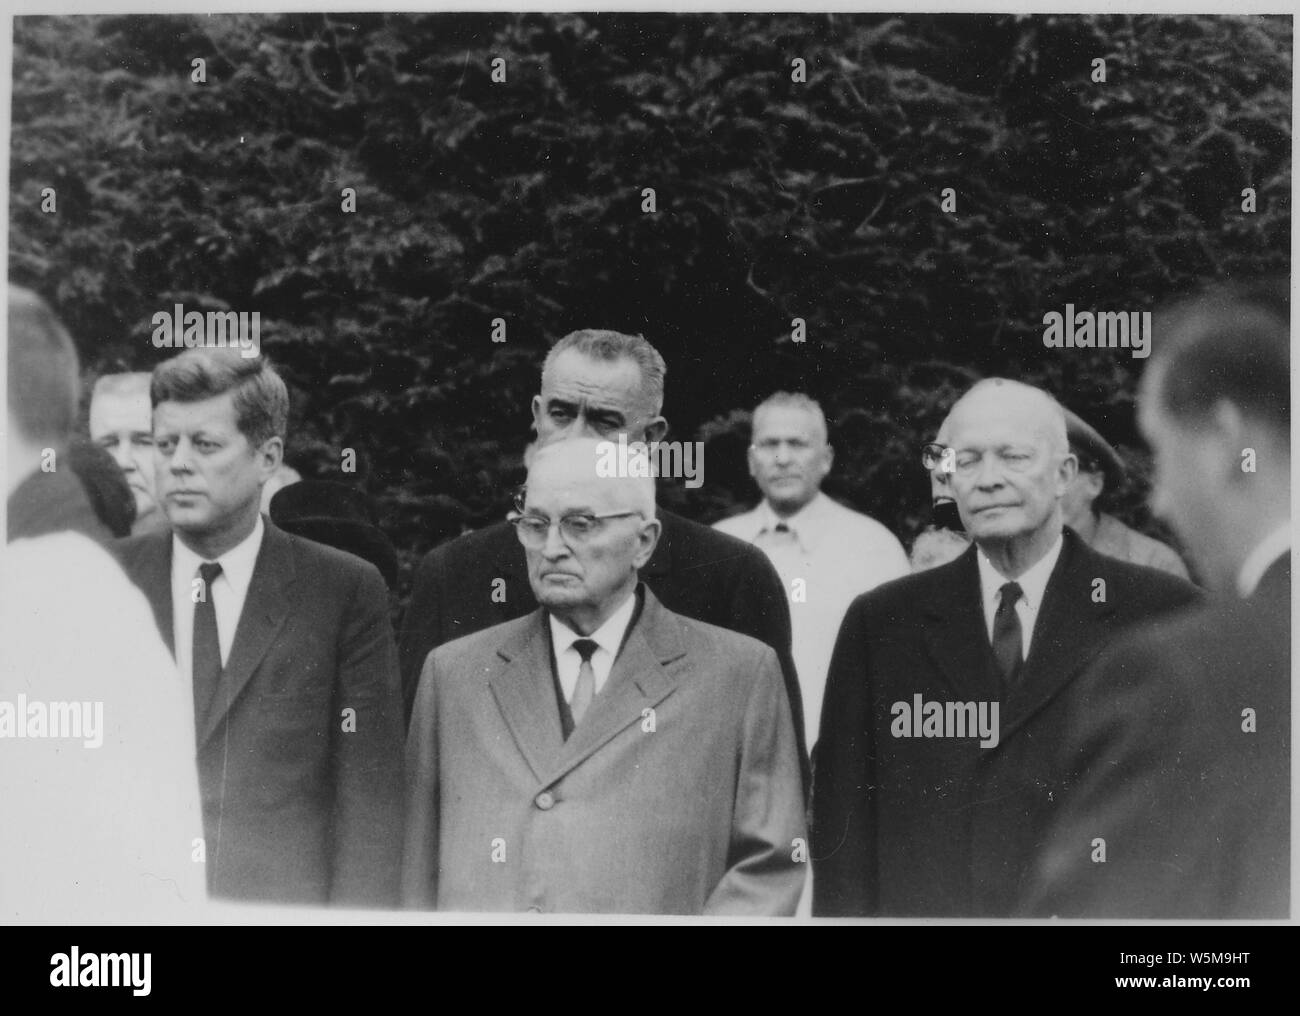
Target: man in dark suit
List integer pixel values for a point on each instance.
(599, 384)
(602, 754)
(296, 694)
(1183, 754)
(935, 775)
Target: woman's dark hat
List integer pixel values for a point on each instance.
(1085, 438)
(337, 516)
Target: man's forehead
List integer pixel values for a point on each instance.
(218, 411)
(785, 419)
(609, 380)
(117, 405)
(995, 414)
(571, 479)
(563, 494)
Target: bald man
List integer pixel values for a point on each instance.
(121, 422)
(601, 754)
(936, 772)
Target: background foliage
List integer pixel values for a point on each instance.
(522, 200)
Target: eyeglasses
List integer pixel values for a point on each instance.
(932, 455)
(574, 529)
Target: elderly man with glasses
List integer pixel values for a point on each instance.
(944, 538)
(601, 754)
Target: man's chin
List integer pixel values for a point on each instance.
(999, 528)
(787, 505)
(547, 592)
(189, 522)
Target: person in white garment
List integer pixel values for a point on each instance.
(826, 554)
(97, 769)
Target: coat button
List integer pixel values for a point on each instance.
(545, 800)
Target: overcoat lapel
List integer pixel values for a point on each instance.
(637, 681)
(1068, 633)
(525, 695)
(955, 634)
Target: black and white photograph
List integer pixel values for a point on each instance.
(647, 466)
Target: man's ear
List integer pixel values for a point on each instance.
(537, 409)
(270, 455)
(647, 539)
(1066, 474)
(656, 429)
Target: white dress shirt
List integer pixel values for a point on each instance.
(1033, 584)
(228, 592)
(608, 638)
(831, 555)
(1259, 560)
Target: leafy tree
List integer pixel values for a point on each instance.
(478, 199)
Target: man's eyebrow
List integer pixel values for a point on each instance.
(568, 511)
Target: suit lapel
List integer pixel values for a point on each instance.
(525, 695)
(1068, 633)
(956, 636)
(266, 608)
(636, 682)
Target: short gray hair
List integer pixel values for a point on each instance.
(601, 344)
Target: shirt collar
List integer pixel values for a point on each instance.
(237, 563)
(806, 523)
(1257, 562)
(609, 636)
(1033, 583)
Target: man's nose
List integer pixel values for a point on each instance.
(554, 547)
(180, 458)
(122, 456)
(989, 472)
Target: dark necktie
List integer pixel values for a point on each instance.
(585, 690)
(1006, 633)
(207, 647)
(779, 535)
